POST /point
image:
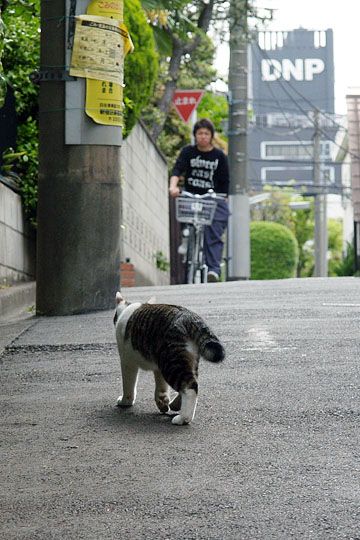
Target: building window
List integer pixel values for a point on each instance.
(289, 151)
(294, 150)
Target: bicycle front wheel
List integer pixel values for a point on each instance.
(190, 257)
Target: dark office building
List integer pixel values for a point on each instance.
(291, 75)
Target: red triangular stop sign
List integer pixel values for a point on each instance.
(186, 101)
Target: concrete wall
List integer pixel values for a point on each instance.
(17, 248)
(145, 207)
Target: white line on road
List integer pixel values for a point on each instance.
(339, 304)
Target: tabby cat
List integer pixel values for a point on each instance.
(168, 340)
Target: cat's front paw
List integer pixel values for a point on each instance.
(125, 402)
(179, 420)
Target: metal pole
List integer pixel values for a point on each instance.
(321, 234)
(239, 222)
(356, 246)
(193, 120)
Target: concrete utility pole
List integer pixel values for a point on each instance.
(239, 222)
(321, 233)
(79, 193)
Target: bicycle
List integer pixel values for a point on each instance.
(196, 211)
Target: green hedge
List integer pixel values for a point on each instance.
(274, 251)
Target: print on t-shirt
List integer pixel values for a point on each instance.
(202, 172)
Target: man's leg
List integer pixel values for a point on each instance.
(214, 244)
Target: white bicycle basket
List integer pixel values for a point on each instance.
(190, 210)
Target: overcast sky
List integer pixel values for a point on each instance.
(342, 17)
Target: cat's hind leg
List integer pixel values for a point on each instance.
(175, 404)
(188, 407)
(129, 373)
(180, 368)
(162, 394)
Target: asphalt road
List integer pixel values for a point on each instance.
(273, 452)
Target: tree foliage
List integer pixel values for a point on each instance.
(335, 244)
(180, 28)
(3, 84)
(141, 67)
(277, 209)
(346, 267)
(196, 71)
(20, 58)
(215, 107)
(184, 30)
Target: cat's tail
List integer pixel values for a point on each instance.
(212, 350)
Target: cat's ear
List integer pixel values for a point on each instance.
(119, 298)
(152, 300)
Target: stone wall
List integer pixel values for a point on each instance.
(145, 208)
(17, 247)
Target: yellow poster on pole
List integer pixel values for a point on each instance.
(102, 63)
(98, 49)
(107, 8)
(104, 102)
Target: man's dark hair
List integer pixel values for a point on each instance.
(204, 123)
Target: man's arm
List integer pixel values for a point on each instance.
(178, 170)
(174, 190)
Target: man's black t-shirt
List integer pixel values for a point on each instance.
(203, 170)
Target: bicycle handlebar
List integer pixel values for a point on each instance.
(210, 194)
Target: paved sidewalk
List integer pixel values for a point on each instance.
(17, 306)
(273, 452)
(17, 300)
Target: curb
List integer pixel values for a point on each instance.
(17, 298)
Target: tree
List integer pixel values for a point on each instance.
(180, 28)
(2, 37)
(215, 106)
(335, 244)
(182, 31)
(346, 266)
(196, 72)
(301, 222)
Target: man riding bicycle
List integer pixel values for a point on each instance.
(205, 167)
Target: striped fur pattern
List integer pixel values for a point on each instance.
(168, 340)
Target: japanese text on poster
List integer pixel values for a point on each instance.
(98, 49)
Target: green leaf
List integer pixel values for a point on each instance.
(163, 41)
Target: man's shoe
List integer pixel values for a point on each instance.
(212, 277)
(182, 249)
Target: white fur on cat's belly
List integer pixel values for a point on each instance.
(188, 407)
